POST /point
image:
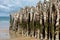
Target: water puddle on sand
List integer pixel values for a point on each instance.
(4, 35)
(10, 35)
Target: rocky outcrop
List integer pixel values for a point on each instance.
(41, 21)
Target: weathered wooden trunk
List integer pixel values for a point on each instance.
(41, 22)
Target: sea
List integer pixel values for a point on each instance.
(4, 27)
(4, 22)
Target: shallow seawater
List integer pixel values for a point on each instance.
(5, 34)
(4, 30)
(4, 25)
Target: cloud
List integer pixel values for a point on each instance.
(4, 14)
(5, 7)
(9, 6)
(29, 0)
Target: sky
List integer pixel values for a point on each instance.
(9, 6)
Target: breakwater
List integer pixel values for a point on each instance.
(41, 21)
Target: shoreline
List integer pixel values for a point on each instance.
(4, 35)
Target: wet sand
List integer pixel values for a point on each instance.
(5, 35)
(24, 38)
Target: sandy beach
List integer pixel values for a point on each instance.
(23, 38)
(5, 35)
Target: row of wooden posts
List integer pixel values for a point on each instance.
(34, 28)
(45, 26)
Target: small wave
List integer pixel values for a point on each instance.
(4, 21)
